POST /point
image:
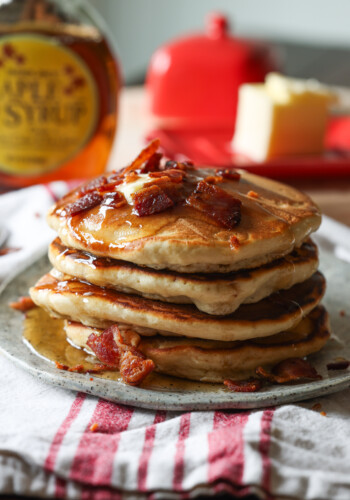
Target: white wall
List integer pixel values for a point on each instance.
(140, 26)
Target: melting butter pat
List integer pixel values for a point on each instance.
(130, 188)
(281, 117)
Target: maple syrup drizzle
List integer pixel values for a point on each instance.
(46, 337)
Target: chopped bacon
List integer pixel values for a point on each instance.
(114, 200)
(7, 250)
(144, 156)
(253, 194)
(232, 175)
(219, 205)
(114, 350)
(185, 165)
(105, 347)
(134, 367)
(131, 177)
(87, 202)
(151, 200)
(171, 174)
(214, 179)
(61, 367)
(92, 185)
(234, 242)
(97, 368)
(152, 164)
(23, 304)
(251, 385)
(110, 186)
(289, 370)
(339, 365)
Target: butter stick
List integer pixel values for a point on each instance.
(281, 117)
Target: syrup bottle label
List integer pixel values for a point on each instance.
(48, 104)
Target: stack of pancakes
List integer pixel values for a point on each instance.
(204, 295)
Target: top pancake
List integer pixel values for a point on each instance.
(275, 219)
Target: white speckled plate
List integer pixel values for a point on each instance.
(337, 298)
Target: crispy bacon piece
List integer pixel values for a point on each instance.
(114, 200)
(134, 367)
(234, 242)
(105, 347)
(151, 200)
(23, 304)
(171, 174)
(338, 365)
(110, 186)
(92, 185)
(114, 350)
(253, 194)
(90, 200)
(131, 177)
(7, 250)
(251, 385)
(184, 165)
(289, 370)
(144, 156)
(226, 173)
(97, 368)
(216, 203)
(60, 366)
(152, 164)
(214, 179)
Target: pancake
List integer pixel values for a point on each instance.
(214, 361)
(99, 307)
(274, 219)
(217, 294)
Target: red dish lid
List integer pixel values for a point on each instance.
(193, 81)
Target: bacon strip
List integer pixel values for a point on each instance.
(151, 200)
(338, 365)
(92, 185)
(251, 385)
(229, 174)
(289, 370)
(23, 304)
(114, 200)
(144, 156)
(105, 347)
(113, 350)
(87, 202)
(216, 203)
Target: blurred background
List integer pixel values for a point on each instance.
(313, 35)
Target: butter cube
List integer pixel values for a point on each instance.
(282, 117)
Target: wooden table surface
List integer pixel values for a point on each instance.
(332, 195)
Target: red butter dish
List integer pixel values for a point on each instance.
(193, 81)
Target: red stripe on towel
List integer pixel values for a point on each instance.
(180, 451)
(264, 448)
(62, 431)
(150, 433)
(226, 447)
(93, 461)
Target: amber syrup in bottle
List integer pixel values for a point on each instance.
(59, 85)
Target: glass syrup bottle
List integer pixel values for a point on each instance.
(59, 85)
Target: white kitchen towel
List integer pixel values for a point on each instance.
(57, 443)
